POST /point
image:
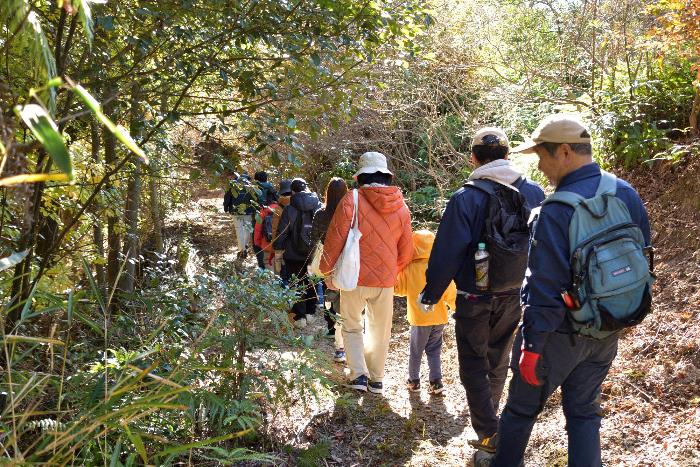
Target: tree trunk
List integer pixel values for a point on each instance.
(695, 111)
(113, 238)
(98, 234)
(133, 203)
(155, 209)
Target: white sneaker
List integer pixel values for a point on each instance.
(300, 323)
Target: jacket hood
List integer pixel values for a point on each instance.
(422, 244)
(305, 201)
(384, 199)
(284, 200)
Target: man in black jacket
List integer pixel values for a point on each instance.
(294, 237)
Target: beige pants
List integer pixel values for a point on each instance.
(367, 358)
(243, 225)
(278, 261)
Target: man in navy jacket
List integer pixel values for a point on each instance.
(484, 323)
(548, 353)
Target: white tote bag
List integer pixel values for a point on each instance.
(347, 268)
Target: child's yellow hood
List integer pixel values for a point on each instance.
(422, 244)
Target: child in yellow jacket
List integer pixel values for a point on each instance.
(426, 327)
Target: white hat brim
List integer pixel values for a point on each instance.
(371, 170)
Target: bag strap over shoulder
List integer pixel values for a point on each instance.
(355, 209)
(607, 185)
(482, 185)
(489, 186)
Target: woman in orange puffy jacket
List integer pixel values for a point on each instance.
(386, 247)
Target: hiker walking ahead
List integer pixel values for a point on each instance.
(492, 208)
(285, 196)
(386, 248)
(238, 201)
(294, 237)
(587, 250)
(427, 326)
(263, 190)
(335, 191)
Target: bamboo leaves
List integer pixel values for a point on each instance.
(119, 131)
(45, 130)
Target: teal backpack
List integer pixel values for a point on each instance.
(612, 278)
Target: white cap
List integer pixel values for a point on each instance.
(371, 162)
(490, 136)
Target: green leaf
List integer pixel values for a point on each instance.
(12, 260)
(138, 444)
(119, 131)
(123, 135)
(218, 439)
(90, 101)
(46, 131)
(116, 452)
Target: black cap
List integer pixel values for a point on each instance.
(298, 185)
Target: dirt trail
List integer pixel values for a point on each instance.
(651, 397)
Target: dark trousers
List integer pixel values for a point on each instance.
(577, 364)
(484, 332)
(260, 256)
(306, 305)
(331, 315)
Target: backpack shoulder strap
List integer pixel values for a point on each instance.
(519, 183)
(483, 185)
(565, 197)
(607, 184)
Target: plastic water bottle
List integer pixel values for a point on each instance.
(481, 266)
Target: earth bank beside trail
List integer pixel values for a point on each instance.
(651, 398)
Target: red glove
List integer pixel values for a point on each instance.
(528, 366)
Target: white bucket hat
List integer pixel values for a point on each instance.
(371, 162)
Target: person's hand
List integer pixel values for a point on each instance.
(425, 308)
(329, 284)
(528, 366)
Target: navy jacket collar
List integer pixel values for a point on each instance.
(587, 171)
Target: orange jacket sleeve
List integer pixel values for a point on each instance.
(337, 234)
(401, 287)
(405, 246)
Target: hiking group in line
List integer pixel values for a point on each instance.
(549, 281)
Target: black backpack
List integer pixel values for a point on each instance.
(301, 233)
(267, 226)
(505, 233)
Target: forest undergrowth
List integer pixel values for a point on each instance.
(651, 399)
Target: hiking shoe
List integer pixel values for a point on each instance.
(300, 323)
(482, 458)
(436, 387)
(339, 356)
(359, 383)
(487, 444)
(375, 387)
(413, 385)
